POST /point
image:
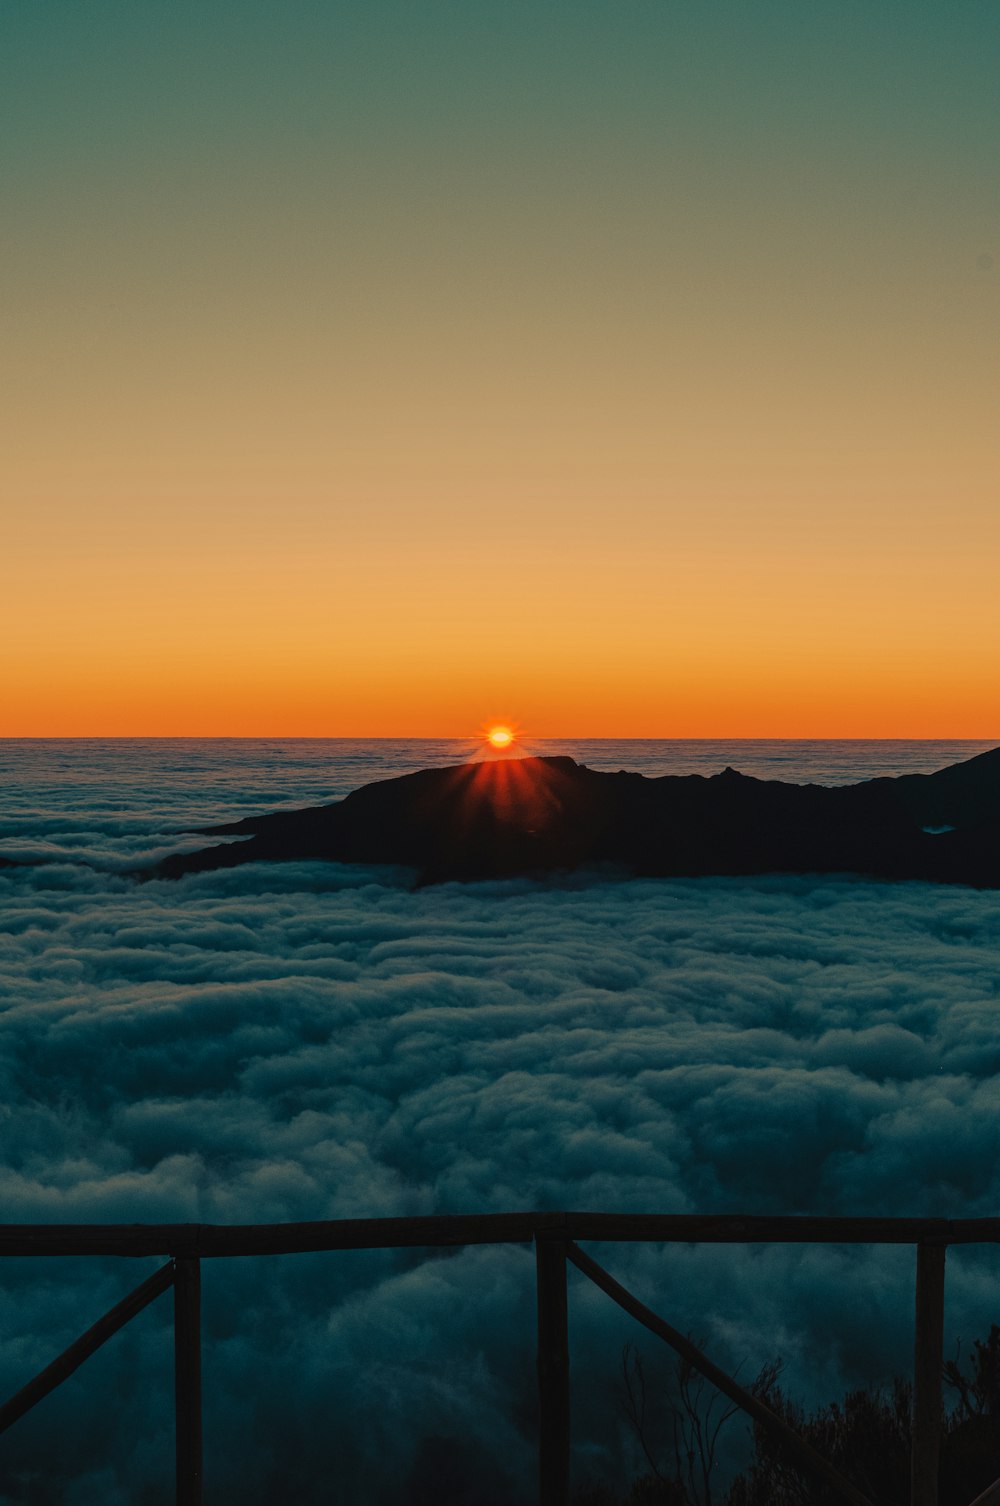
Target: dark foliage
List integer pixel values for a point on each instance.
(866, 1435)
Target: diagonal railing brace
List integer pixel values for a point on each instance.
(72, 1358)
(805, 1456)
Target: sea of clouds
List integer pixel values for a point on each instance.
(282, 1042)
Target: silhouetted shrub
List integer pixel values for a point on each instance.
(867, 1436)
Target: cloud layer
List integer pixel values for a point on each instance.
(304, 1041)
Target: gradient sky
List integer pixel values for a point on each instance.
(384, 368)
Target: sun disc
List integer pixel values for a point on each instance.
(500, 737)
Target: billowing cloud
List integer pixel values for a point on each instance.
(307, 1041)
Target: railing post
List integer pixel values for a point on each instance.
(187, 1380)
(553, 1373)
(928, 1360)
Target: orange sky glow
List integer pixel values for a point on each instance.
(663, 405)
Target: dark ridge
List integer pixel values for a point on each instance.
(528, 816)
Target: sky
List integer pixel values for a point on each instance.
(385, 369)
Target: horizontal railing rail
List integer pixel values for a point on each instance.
(556, 1238)
(205, 1241)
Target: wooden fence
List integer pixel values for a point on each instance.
(556, 1238)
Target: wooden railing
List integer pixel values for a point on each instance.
(556, 1239)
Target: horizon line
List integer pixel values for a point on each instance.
(467, 737)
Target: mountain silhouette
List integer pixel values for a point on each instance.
(528, 816)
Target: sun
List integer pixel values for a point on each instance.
(500, 737)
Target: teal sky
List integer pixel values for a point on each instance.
(294, 281)
(894, 81)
